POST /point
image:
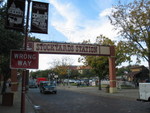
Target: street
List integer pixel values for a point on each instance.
(75, 102)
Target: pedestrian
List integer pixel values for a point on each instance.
(9, 82)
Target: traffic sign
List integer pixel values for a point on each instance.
(24, 59)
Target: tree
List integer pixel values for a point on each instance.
(33, 39)
(133, 23)
(74, 74)
(40, 73)
(9, 39)
(88, 73)
(100, 64)
(61, 66)
(123, 70)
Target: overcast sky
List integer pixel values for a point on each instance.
(75, 21)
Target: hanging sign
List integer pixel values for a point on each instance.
(24, 59)
(15, 14)
(69, 48)
(39, 18)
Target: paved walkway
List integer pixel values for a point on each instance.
(16, 107)
(121, 93)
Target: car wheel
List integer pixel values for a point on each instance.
(40, 91)
(55, 92)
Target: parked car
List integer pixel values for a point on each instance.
(32, 84)
(47, 87)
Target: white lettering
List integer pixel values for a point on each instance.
(25, 56)
(24, 63)
(29, 63)
(16, 56)
(19, 63)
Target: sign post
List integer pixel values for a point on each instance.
(24, 71)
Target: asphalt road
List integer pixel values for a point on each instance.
(75, 102)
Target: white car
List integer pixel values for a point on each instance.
(144, 92)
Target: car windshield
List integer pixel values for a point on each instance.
(48, 84)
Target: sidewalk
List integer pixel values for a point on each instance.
(16, 108)
(121, 93)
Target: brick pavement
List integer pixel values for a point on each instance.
(121, 93)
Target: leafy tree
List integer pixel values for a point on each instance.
(61, 66)
(87, 73)
(100, 64)
(61, 70)
(123, 70)
(133, 23)
(9, 39)
(33, 39)
(73, 73)
(40, 73)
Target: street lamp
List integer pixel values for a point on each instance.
(49, 76)
(52, 76)
(56, 76)
(68, 71)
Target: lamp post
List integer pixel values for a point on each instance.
(49, 76)
(68, 71)
(24, 71)
(56, 77)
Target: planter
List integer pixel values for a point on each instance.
(107, 89)
(7, 99)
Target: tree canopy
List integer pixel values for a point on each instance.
(133, 23)
(9, 39)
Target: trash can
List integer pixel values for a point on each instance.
(7, 99)
(107, 89)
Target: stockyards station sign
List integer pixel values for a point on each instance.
(69, 48)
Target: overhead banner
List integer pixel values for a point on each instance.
(39, 18)
(15, 14)
(69, 48)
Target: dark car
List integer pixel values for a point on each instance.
(47, 87)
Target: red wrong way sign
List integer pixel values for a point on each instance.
(24, 59)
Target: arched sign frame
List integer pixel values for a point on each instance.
(79, 49)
